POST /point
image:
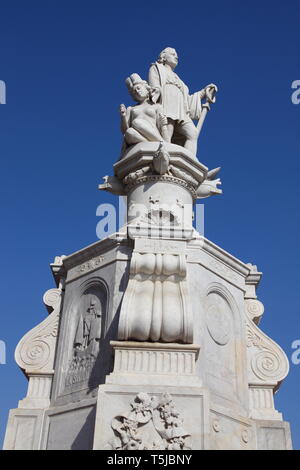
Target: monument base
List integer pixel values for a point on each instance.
(192, 421)
(152, 395)
(154, 400)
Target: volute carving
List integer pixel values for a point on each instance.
(36, 350)
(254, 310)
(267, 362)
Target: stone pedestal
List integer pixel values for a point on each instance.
(140, 363)
(152, 341)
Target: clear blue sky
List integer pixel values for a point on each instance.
(64, 64)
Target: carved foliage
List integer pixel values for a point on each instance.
(151, 423)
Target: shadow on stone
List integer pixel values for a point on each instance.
(85, 437)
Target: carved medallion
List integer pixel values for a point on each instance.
(245, 435)
(216, 425)
(218, 319)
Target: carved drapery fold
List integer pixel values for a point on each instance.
(156, 305)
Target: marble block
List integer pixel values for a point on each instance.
(181, 424)
(147, 363)
(82, 385)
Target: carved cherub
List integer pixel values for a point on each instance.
(145, 121)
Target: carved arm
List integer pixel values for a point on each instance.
(124, 113)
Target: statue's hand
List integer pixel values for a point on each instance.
(162, 120)
(123, 110)
(154, 94)
(210, 92)
(212, 85)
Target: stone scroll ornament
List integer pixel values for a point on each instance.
(152, 423)
(36, 350)
(268, 363)
(156, 302)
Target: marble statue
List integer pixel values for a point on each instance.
(152, 342)
(177, 104)
(143, 122)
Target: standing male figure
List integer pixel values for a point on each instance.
(178, 105)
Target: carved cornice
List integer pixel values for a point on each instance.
(96, 249)
(254, 275)
(163, 178)
(58, 269)
(232, 264)
(224, 256)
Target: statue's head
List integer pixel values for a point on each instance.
(168, 56)
(138, 88)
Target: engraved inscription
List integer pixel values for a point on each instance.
(89, 265)
(159, 246)
(223, 270)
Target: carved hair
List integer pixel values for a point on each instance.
(133, 80)
(162, 56)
